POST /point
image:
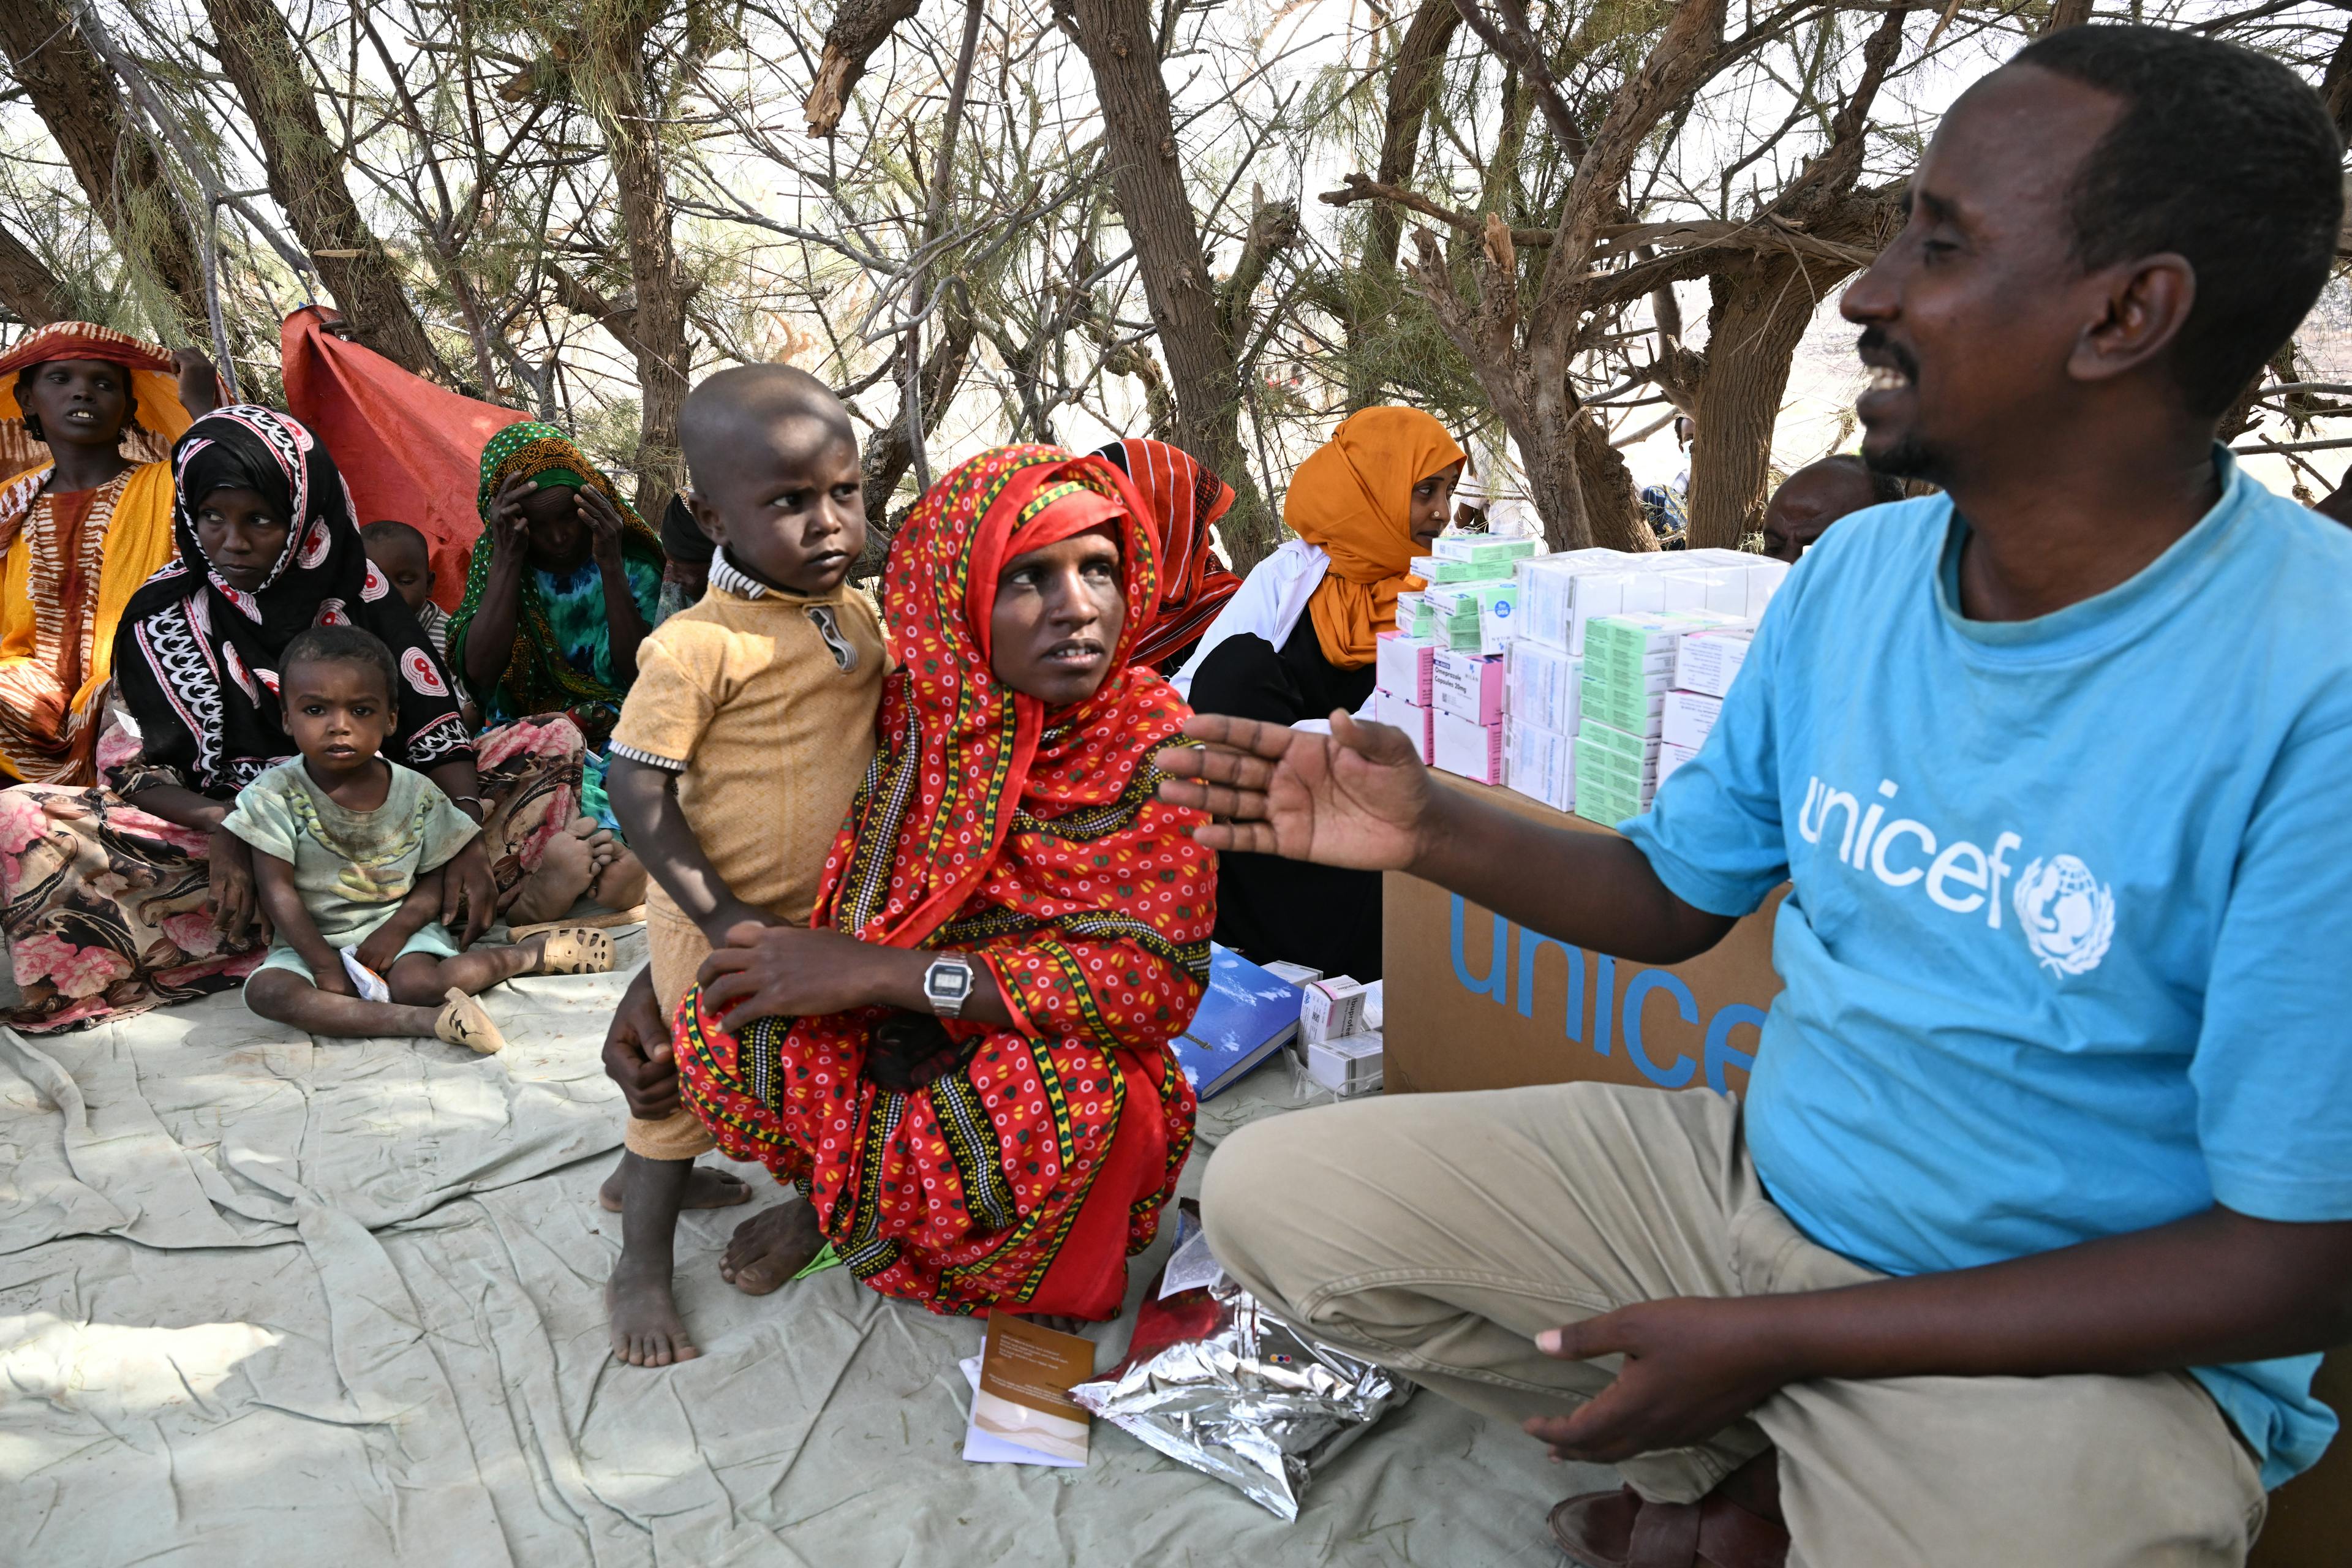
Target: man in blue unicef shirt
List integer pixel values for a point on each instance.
(2022, 1247)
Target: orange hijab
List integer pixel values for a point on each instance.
(1353, 498)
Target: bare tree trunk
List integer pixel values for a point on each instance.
(1412, 88)
(1611, 507)
(1763, 304)
(2064, 13)
(615, 72)
(890, 451)
(81, 102)
(33, 293)
(1148, 184)
(307, 179)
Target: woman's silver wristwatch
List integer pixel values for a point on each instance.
(947, 984)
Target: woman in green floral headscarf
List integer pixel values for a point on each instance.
(563, 585)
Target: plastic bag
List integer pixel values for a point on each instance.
(1214, 1379)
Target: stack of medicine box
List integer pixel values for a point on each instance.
(1629, 664)
(1340, 1045)
(1560, 597)
(1468, 604)
(1472, 594)
(1704, 666)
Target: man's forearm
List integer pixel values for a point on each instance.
(2217, 1287)
(1594, 889)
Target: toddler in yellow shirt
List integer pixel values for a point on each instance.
(743, 738)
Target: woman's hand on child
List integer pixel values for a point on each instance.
(237, 902)
(467, 881)
(786, 972)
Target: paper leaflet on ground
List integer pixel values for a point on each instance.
(1215, 1380)
(1021, 1408)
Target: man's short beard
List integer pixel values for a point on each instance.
(1909, 458)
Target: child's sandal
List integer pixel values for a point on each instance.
(465, 1022)
(575, 949)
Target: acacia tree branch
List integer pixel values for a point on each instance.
(1360, 188)
(1515, 41)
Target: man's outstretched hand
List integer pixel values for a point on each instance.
(1358, 797)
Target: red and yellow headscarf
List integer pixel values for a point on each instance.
(1353, 497)
(159, 419)
(961, 752)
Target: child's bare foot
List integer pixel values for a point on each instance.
(565, 868)
(772, 1246)
(708, 1188)
(646, 1328)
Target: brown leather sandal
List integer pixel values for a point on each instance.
(1619, 1529)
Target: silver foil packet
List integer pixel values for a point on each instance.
(1214, 1379)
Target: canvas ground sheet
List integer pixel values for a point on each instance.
(265, 1299)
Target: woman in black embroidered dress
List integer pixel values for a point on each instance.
(125, 896)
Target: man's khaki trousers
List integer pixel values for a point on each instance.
(1438, 1233)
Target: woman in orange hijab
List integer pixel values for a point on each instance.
(1296, 642)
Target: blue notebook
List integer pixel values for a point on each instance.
(1246, 1015)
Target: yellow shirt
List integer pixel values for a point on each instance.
(765, 708)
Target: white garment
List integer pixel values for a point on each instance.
(1268, 604)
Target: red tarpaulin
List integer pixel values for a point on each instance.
(408, 449)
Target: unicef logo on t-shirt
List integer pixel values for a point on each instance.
(2069, 918)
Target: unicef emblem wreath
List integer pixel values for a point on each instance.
(2068, 916)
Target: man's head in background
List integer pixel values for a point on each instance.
(2107, 238)
(1816, 496)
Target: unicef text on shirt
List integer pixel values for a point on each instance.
(2066, 914)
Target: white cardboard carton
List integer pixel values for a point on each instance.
(1465, 747)
(1403, 663)
(1707, 662)
(1412, 718)
(1347, 1064)
(1543, 685)
(1688, 717)
(1671, 757)
(1330, 1008)
(1539, 763)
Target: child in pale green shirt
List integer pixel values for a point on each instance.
(348, 849)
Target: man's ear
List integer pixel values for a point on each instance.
(2147, 303)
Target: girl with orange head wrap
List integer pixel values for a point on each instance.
(1296, 642)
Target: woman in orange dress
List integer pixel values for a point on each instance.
(82, 529)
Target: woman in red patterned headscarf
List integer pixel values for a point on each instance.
(968, 1074)
(1184, 501)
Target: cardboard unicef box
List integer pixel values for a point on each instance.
(1474, 1001)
